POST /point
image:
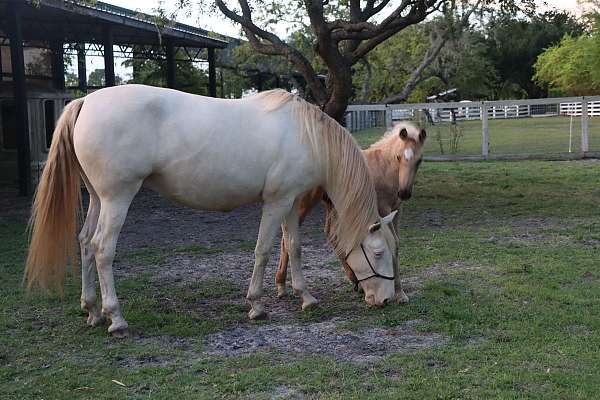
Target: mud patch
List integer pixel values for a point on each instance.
(323, 338)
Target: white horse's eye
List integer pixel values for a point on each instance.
(378, 253)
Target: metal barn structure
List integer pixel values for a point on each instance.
(31, 101)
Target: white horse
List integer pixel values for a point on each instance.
(209, 154)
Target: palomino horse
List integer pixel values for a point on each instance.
(393, 163)
(210, 154)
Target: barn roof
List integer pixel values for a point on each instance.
(76, 21)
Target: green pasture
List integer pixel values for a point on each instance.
(548, 135)
(516, 247)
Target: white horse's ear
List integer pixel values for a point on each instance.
(375, 227)
(389, 218)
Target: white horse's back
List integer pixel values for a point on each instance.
(185, 147)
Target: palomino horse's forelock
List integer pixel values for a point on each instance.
(348, 182)
(391, 143)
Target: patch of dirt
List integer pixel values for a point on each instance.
(590, 242)
(156, 224)
(323, 338)
(286, 392)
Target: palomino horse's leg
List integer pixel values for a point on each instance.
(281, 275)
(112, 216)
(272, 217)
(401, 297)
(88, 274)
(307, 203)
(291, 233)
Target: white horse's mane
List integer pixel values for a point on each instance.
(347, 179)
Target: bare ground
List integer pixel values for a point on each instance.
(171, 232)
(155, 223)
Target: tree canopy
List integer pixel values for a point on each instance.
(572, 67)
(341, 33)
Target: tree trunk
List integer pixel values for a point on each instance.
(340, 93)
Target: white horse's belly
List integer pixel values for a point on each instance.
(206, 194)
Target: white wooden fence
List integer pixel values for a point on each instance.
(360, 117)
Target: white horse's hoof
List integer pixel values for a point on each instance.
(281, 292)
(120, 333)
(401, 297)
(257, 312)
(118, 329)
(94, 319)
(308, 302)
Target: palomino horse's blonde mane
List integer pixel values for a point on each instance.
(347, 179)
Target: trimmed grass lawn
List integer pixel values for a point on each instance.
(519, 299)
(548, 135)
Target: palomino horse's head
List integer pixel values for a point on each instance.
(408, 153)
(371, 265)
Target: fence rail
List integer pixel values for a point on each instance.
(566, 120)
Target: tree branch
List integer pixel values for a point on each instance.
(432, 53)
(416, 76)
(371, 9)
(274, 46)
(394, 23)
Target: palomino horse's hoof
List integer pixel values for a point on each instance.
(401, 297)
(281, 292)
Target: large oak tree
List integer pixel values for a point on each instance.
(343, 32)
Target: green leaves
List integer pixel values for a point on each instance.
(573, 65)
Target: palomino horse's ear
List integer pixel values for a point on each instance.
(389, 218)
(403, 133)
(375, 227)
(422, 135)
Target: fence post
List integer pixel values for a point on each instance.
(349, 121)
(584, 126)
(484, 130)
(388, 117)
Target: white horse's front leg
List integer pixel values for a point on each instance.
(292, 238)
(272, 217)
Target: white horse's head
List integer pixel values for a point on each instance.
(371, 263)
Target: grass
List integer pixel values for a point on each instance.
(506, 136)
(508, 256)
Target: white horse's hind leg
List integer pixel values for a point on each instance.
(112, 216)
(292, 238)
(88, 277)
(272, 217)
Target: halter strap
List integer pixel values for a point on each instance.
(375, 273)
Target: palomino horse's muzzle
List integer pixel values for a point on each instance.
(404, 194)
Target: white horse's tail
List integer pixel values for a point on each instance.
(56, 208)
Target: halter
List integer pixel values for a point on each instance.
(375, 273)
